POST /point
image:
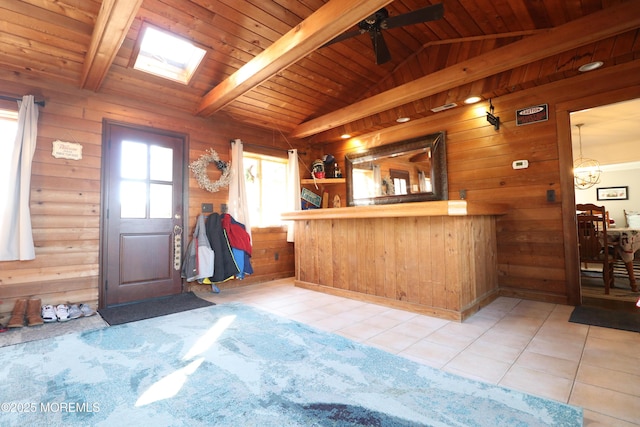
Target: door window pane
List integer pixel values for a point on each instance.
(160, 201)
(133, 199)
(161, 163)
(134, 160)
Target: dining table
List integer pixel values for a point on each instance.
(627, 243)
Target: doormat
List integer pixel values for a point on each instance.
(152, 308)
(605, 318)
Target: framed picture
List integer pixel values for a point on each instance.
(613, 193)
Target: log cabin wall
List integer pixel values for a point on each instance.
(65, 194)
(537, 253)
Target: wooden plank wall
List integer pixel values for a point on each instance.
(533, 237)
(65, 194)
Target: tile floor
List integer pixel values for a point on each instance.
(520, 344)
(524, 345)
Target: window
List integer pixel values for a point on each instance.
(266, 184)
(8, 129)
(168, 56)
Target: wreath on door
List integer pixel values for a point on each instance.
(199, 169)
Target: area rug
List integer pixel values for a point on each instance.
(615, 319)
(152, 308)
(234, 365)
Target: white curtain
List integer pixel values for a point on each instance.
(293, 190)
(16, 239)
(238, 207)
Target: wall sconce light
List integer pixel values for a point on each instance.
(494, 120)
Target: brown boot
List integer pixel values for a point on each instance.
(17, 316)
(34, 318)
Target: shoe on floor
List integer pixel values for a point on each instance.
(49, 314)
(86, 310)
(74, 311)
(34, 317)
(18, 314)
(62, 312)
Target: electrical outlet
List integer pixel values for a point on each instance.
(551, 195)
(276, 256)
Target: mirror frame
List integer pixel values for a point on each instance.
(435, 141)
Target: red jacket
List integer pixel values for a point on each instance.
(237, 235)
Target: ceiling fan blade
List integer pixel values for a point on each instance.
(342, 37)
(426, 14)
(379, 47)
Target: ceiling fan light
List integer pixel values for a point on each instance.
(590, 66)
(472, 100)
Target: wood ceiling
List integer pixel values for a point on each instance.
(291, 84)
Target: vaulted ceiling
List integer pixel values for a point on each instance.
(265, 64)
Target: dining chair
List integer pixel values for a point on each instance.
(593, 242)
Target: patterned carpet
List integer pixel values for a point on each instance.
(233, 365)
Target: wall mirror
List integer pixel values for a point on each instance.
(407, 171)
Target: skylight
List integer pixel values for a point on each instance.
(168, 56)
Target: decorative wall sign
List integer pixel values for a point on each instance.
(537, 113)
(66, 150)
(613, 193)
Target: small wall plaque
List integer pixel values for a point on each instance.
(537, 113)
(66, 150)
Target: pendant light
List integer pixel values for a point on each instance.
(586, 172)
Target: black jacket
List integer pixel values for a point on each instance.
(224, 266)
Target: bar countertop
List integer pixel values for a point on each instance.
(411, 209)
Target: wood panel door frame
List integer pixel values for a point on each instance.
(104, 192)
(565, 157)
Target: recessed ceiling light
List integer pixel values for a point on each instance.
(402, 119)
(590, 66)
(472, 100)
(345, 136)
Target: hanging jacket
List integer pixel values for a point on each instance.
(224, 266)
(238, 236)
(204, 253)
(199, 258)
(240, 242)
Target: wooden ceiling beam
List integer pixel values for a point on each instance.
(112, 24)
(324, 24)
(603, 24)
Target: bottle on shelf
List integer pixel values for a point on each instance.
(337, 173)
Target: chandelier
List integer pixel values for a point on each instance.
(586, 172)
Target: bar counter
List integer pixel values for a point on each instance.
(436, 258)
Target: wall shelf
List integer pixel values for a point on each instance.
(323, 181)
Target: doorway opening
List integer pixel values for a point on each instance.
(608, 134)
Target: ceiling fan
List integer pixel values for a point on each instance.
(380, 20)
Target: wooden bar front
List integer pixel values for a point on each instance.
(435, 258)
